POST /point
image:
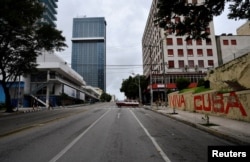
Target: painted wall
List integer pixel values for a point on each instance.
(235, 70)
(234, 105)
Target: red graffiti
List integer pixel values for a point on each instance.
(177, 101)
(216, 103)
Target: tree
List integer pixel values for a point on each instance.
(196, 16)
(130, 86)
(22, 38)
(105, 97)
(182, 83)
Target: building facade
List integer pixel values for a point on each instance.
(49, 15)
(167, 57)
(17, 91)
(89, 50)
(54, 83)
(231, 46)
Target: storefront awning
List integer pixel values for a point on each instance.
(170, 86)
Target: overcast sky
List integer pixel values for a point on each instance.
(126, 20)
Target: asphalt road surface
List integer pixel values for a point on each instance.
(101, 133)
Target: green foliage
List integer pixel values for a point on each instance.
(22, 38)
(187, 90)
(201, 89)
(130, 86)
(201, 82)
(196, 16)
(182, 83)
(105, 97)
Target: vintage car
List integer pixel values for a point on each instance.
(127, 103)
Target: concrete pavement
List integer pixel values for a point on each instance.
(229, 129)
(232, 130)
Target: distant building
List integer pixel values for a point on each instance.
(244, 29)
(231, 46)
(50, 12)
(89, 50)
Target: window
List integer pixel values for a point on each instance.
(180, 52)
(189, 42)
(199, 52)
(208, 30)
(179, 41)
(210, 62)
(201, 63)
(171, 64)
(181, 63)
(169, 41)
(233, 42)
(191, 63)
(170, 52)
(208, 42)
(225, 42)
(209, 52)
(198, 42)
(190, 52)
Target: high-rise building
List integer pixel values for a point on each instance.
(50, 12)
(167, 57)
(89, 50)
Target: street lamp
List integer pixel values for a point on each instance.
(164, 71)
(139, 85)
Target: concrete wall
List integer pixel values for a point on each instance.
(234, 105)
(237, 70)
(244, 29)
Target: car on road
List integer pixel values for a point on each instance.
(127, 103)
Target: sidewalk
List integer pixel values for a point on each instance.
(229, 129)
(31, 109)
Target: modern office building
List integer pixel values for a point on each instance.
(54, 83)
(49, 16)
(89, 50)
(50, 12)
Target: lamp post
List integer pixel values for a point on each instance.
(164, 71)
(139, 85)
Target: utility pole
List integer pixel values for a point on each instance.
(139, 87)
(151, 80)
(164, 73)
(140, 100)
(151, 70)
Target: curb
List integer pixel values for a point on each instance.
(204, 128)
(28, 111)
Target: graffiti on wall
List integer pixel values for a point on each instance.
(219, 103)
(177, 100)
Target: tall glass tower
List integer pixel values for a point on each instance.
(89, 50)
(50, 12)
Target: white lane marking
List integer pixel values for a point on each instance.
(118, 115)
(158, 148)
(61, 153)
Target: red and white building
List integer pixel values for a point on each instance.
(167, 57)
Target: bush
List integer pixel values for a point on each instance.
(182, 83)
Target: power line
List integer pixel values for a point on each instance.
(133, 65)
